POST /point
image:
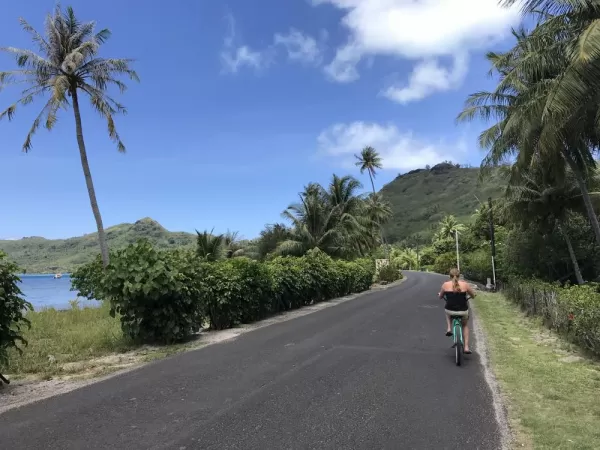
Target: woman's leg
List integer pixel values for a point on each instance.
(448, 324)
(465, 323)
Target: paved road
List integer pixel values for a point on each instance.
(376, 372)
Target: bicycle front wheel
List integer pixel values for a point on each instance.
(458, 345)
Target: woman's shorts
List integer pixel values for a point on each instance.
(463, 314)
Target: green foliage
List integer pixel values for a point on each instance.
(389, 273)
(234, 291)
(444, 262)
(39, 255)
(573, 311)
(421, 198)
(164, 296)
(477, 266)
(12, 309)
(87, 278)
(154, 292)
(335, 219)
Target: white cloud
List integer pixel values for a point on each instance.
(421, 30)
(234, 58)
(399, 150)
(428, 77)
(300, 47)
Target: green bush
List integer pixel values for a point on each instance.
(477, 266)
(444, 262)
(235, 291)
(12, 309)
(316, 277)
(166, 295)
(389, 273)
(573, 311)
(154, 292)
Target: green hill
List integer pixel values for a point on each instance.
(39, 255)
(422, 197)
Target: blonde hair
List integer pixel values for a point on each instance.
(454, 276)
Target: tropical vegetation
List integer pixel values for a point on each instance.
(67, 67)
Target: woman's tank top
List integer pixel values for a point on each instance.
(456, 301)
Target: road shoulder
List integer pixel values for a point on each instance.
(549, 389)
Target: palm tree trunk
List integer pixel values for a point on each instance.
(372, 183)
(573, 256)
(88, 179)
(585, 195)
(387, 253)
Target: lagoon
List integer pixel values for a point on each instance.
(44, 291)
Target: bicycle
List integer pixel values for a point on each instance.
(457, 335)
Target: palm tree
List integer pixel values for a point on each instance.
(67, 66)
(542, 200)
(529, 126)
(209, 246)
(406, 258)
(336, 220)
(448, 226)
(271, 237)
(369, 160)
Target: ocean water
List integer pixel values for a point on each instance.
(44, 291)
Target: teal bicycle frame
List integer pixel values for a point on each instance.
(457, 334)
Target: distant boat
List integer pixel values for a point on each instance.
(57, 275)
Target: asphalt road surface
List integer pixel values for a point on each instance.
(375, 372)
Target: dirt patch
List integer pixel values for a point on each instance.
(75, 375)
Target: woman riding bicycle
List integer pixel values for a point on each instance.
(455, 292)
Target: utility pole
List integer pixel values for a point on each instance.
(457, 257)
(493, 243)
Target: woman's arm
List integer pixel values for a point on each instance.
(470, 291)
(441, 294)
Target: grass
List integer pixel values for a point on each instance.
(551, 393)
(60, 337)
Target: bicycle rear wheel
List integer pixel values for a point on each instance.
(458, 344)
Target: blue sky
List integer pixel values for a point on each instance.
(243, 103)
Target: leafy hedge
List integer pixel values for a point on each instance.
(12, 309)
(389, 273)
(477, 265)
(444, 262)
(165, 296)
(573, 310)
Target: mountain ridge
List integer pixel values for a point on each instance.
(41, 255)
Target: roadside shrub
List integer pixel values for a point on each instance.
(573, 311)
(477, 266)
(87, 279)
(13, 308)
(154, 292)
(316, 277)
(166, 295)
(444, 262)
(389, 273)
(235, 291)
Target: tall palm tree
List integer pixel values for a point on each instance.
(448, 226)
(370, 161)
(336, 220)
(67, 66)
(529, 128)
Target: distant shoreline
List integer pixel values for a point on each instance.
(21, 275)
